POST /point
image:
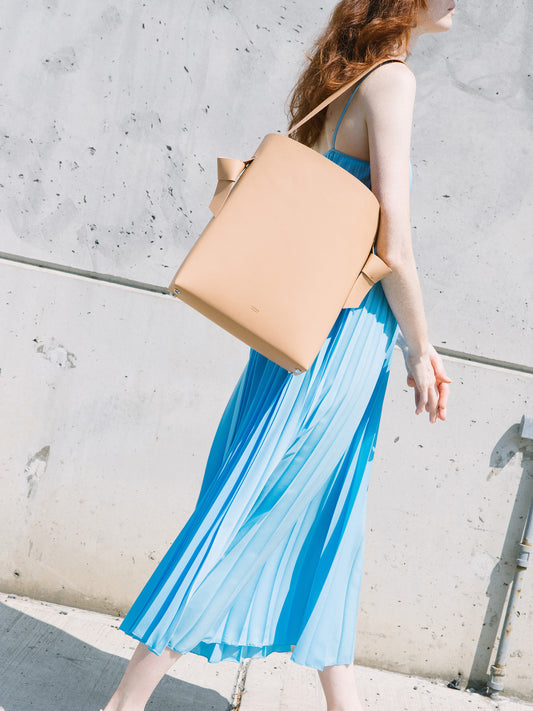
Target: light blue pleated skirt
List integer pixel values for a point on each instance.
(271, 558)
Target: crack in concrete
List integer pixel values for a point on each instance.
(35, 468)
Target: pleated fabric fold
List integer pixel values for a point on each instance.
(271, 558)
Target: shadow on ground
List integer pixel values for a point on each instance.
(47, 669)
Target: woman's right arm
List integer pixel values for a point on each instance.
(387, 98)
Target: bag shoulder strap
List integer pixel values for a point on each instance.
(340, 91)
(229, 169)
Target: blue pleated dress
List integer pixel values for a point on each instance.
(271, 558)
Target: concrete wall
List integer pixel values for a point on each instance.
(111, 390)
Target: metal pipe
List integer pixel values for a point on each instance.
(498, 669)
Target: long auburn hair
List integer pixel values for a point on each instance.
(358, 34)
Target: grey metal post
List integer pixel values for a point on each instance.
(498, 669)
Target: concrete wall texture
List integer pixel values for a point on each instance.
(112, 118)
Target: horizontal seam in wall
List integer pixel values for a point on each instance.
(482, 360)
(155, 289)
(85, 273)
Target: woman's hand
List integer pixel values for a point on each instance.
(426, 374)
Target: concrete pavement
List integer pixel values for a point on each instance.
(59, 658)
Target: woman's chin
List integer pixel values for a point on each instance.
(444, 24)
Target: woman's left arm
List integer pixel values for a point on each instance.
(388, 97)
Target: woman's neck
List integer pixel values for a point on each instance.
(413, 39)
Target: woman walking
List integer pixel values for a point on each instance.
(271, 558)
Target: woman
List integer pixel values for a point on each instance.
(271, 557)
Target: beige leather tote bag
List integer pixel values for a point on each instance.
(290, 244)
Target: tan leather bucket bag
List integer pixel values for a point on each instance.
(290, 244)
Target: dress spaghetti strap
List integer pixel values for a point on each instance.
(342, 115)
(350, 99)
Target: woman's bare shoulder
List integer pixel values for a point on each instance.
(389, 83)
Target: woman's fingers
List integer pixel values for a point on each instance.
(438, 367)
(420, 401)
(428, 377)
(444, 391)
(443, 382)
(426, 397)
(432, 404)
(440, 373)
